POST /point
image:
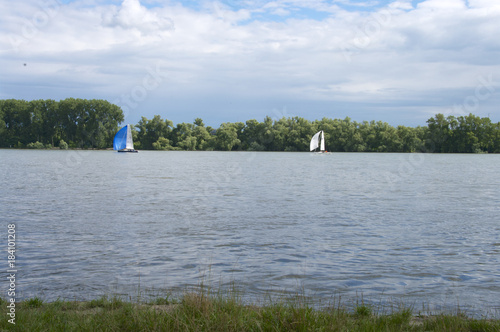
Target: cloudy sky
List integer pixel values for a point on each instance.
(235, 60)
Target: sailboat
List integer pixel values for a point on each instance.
(123, 140)
(318, 140)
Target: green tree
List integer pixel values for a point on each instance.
(102, 123)
(410, 142)
(149, 131)
(495, 137)
(298, 134)
(253, 136)
(35, 145)
(162, 144)
(183, 136)
(266, 134)
(202, 135)
(17, 120)
(473, 134)
(51, 121)
(439, 137)
(227, 136)
(63, 145)
(85, 123)
(3, 129)
(344, 136)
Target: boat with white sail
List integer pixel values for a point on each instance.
(318, 141)
(123, 140)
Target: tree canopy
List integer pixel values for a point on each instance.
(83, 123)
(80, 123)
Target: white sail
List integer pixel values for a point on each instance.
(318, 140)
(130, 143)
(322, 145)
(314, 141)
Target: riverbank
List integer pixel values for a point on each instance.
(202, 311)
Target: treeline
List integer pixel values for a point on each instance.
(77, 123)
(93, 123)
(469, 134)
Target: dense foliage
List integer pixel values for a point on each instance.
(469, 134)
(93, 123)
(80, 123)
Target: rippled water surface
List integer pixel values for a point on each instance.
(418, 227)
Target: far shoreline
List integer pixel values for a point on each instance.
(250, 151)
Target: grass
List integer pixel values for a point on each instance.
(204, 310)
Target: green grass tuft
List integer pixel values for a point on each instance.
(363, 311)
(209, 310)
(104, 302)
(33, 303)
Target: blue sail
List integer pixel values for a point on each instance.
(120, 140)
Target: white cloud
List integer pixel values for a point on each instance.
(443, 5)
(399, 56)
(131, 15)
(487, 4)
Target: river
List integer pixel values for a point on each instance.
(422, 229)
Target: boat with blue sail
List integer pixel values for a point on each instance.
(123, 140)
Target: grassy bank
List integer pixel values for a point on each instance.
(200, 311)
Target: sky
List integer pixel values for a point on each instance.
(399, 62)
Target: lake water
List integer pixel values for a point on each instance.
(422, 229)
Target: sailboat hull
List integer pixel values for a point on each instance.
(129, 151)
